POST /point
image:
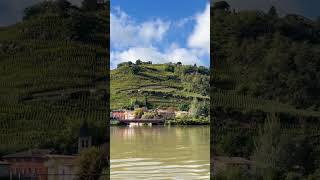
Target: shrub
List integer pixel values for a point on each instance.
(169, 68)
(149, 115)
(184, 107)
(92, 161)
(135, 69)
(138, 113)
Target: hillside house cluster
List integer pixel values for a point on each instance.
(44, 164)
(122, 114)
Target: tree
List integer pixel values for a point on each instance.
(138, 62)
(203, 70)
(184, 107)
(89, 5)
(194, 107)
(134, 103)
(149, 115)
(204, 109)
(169, 68)
(121, 64)
(138, 113)
(273, 12)
(135, 69)
(266, 155)
(221, 5)
(91, 162)
(145, 101)
(63, 4)
(38, 9)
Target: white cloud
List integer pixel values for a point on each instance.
(200, 38)
(134, 53)
(172, 54)
(132, 40)
(125, 32)
(184, 21)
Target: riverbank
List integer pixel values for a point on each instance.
(177, 121)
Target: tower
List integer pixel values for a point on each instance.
(85, 140)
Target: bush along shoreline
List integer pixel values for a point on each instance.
(181, 121)
(189, 121)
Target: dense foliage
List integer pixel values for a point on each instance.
(265, 92)
(91, 163)
(269, 57)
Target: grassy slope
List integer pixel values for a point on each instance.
(48, 88)
(151, 81)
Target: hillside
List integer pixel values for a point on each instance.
(52, 78)
(163, 85)
(262, 57)
(265, 91)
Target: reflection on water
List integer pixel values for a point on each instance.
(160, 152)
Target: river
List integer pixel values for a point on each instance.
(160, 152)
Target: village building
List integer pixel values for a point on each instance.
(85, 139)
(4, 169)
(181, 114)
(43, 164)
(118, 114)
(166, 114)
(61, 167)
(28, 163)
(129, 115)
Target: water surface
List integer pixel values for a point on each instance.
(160, 152)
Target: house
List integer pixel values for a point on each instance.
(181, 113)
(166, 114)
(129, 115)
(118, 114)
(4, 169)
(64, 165)
(28, 163)
(43, 164)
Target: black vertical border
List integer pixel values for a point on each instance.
(212, 114)
(107, 83)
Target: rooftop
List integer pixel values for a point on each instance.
(33, 153)
(4, 163)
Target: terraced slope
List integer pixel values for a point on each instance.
(162, 88)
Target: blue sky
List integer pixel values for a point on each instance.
(160, 31)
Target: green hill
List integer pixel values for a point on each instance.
(264, 61)
(162, 85)
(52, 78)
(265, 90)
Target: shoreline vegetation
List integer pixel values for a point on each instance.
(174, 122)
